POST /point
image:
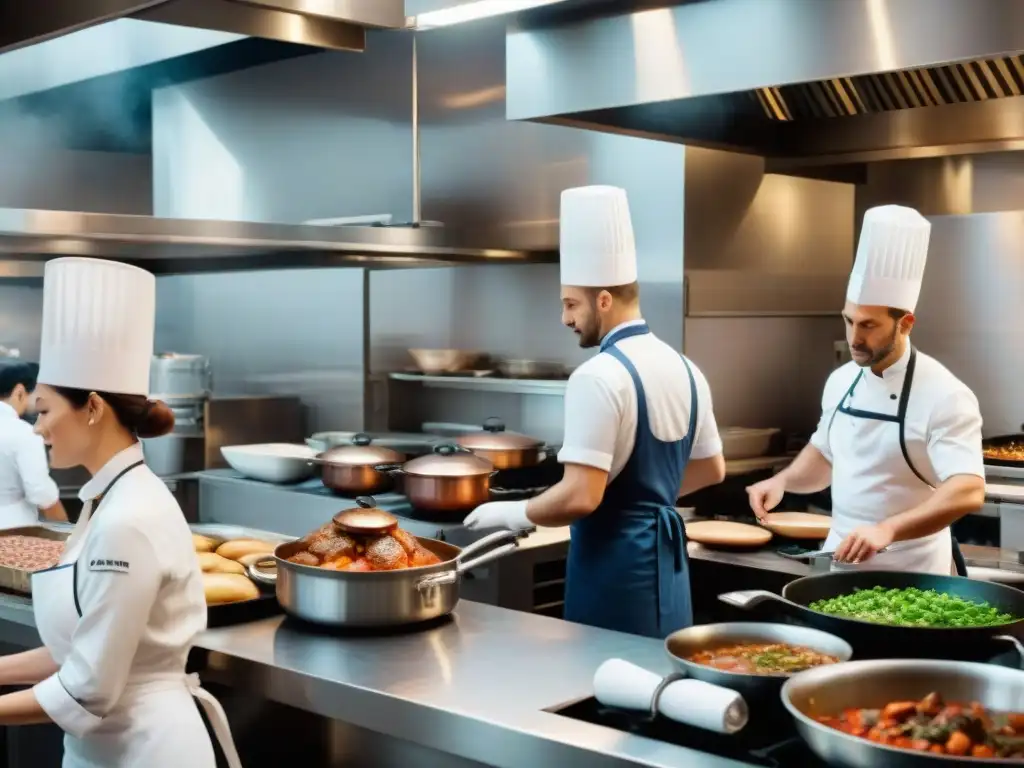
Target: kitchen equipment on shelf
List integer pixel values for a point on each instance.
(175, 377)
(827, 691)
(618, 683)
(531, 369)
(351, 469)
(745, 443)
(728, 534)
(407, 443)
(1004, 450)
(870, 638)
(271, 462)
(798, 525)
(437, 361)
(761, 687)
(378, 598)
(505, 450)
(451, 479)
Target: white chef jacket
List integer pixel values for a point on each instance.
(943, 439)
(25, 482)
(601, 405)
(141, 600)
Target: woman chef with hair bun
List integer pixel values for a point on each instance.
(119, 613)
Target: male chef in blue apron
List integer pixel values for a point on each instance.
(900, 436)
(638, 417)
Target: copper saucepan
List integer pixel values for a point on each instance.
(351, 470)
(451, 479)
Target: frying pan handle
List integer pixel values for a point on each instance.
(260, 571)
(493, 539)
(461, 566)
(1015, 643)
(746, 599)
(487, 557)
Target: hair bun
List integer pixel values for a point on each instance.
(155, 420)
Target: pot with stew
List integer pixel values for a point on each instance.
(752, 658)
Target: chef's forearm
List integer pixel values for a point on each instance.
(810, 472)
(576, 495)
(960, 495)
(22, 708)
(700, 473)
(27, 667)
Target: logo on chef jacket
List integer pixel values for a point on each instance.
(102, 564)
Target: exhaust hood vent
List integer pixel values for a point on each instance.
(960, 83)
(908, 78)
(335, 24)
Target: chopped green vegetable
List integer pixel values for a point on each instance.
(912, 607)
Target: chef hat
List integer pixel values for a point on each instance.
(891, 257)
(596, 239)
(98, 324)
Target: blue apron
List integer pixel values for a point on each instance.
(627, 568)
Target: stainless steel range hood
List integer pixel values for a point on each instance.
(166, 246)
(801, 83)
(337, 24)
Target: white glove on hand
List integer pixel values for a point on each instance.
(499, 514)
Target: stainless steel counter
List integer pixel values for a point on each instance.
(475, 687)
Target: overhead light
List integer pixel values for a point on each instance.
(478, 9)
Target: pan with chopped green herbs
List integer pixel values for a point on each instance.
(897, 614)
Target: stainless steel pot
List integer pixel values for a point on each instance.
(383, 598)
(687, 642)
(451, 479)
(176, 378)
(351, 469)
(872, 684)
(505, 450)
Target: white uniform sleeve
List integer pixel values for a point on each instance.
(707, 442)
(118, 581)
(593, 417)
(954, 437)
(34, 471)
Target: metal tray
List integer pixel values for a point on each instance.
(18, 579)
(262, 607)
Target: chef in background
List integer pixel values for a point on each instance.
(900, 436)
(119, 614)
(639, 432)
(26, 488)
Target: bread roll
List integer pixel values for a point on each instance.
(228, 588)
(211, 562)
(233, 550)
(203, 543)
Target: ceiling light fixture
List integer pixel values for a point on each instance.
(478, 9)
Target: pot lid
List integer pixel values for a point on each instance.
(360, 453)
(495, 438)
(449, 461)
(366, 519)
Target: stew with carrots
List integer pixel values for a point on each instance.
(762, 658)
(933, 725)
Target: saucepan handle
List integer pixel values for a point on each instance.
(1015, 643)
(389, 469)
(511, 543)
(263, 571)
(746, 599)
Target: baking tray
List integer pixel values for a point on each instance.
(18, 579)
(262, 607)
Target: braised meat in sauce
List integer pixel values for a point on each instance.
(935, 726)
(331, 548)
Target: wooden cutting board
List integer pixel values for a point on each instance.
(798, 525)
(723, 533)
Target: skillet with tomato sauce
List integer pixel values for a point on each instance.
(762, 658)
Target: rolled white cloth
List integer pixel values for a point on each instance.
(618, 683)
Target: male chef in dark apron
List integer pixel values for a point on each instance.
(900, 436)
(637, 417)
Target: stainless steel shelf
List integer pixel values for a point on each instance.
(487, 384)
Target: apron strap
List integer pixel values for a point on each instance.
(671, 546)
(218, 720)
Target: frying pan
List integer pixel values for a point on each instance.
(997, 442)
(870, 639)
(872, 684)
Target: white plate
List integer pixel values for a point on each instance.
(271, 462)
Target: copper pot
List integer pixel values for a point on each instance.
(505, 450)
(451, 479)
(351, 469)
